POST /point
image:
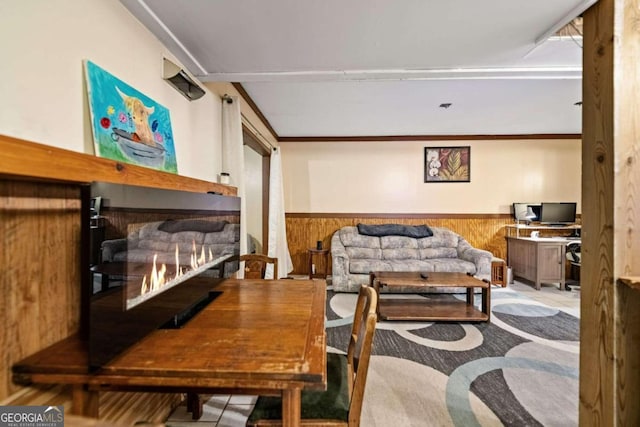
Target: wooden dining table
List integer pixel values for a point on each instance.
(256, 337)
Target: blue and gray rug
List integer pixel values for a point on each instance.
(521, 369)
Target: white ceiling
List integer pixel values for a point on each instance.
(335, 68)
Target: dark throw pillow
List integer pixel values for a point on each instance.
(173, 226)
(415, 231)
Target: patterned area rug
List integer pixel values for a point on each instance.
(521, 369)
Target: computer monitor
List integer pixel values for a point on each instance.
(558, 213)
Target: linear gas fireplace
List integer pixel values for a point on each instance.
(152, 260)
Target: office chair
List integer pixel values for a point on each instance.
(573, 255)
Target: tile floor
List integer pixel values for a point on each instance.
(218, 411)
(232, 411)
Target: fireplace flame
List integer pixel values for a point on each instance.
(203, 258)
(178, 271)
(145, 288)
(157, 276)
(159, 279)
(194, 260)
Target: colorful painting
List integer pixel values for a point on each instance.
(127, 125)
(447, 164)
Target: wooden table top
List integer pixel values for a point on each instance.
(256, 334)
(434, 279)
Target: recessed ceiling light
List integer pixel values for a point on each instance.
(578, 104)
(445, 105)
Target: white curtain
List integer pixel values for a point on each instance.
(233, 160)
(277, 247)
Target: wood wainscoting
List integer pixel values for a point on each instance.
(483, 231)
(40, 275)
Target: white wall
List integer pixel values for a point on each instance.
(43, 99)
(42, 86)
(388, 177)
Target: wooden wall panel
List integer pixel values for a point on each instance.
(304, 230)
(39, 278)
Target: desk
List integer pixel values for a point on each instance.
(538, 259)
(226, 347)
(527, 229)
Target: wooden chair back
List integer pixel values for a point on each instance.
(255, 265)
(357, 361)
(359, 350)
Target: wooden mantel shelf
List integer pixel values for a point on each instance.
(30, 160)
(631, 281)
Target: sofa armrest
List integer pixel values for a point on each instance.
(480, 257)
(109, 248)
(339, 264)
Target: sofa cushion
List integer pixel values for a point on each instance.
(172, 226)
(366, 266)
(186, 239)
(455, 265)
(155, 245)
(146, 256)
(355, 252)
(415, 231)
(349, 236)
(442, 238)
(147, 231)
(412, 265)
(219, 249)
(400, 253)
(229, 234)
(429, 253)
(394, 242)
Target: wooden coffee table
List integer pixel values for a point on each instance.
(426, 308)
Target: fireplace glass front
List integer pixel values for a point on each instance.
(155, 257)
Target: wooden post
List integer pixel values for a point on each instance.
(610, 325)
(85, 402)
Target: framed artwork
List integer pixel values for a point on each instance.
(447, 164)
(127, 125)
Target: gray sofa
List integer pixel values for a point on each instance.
(161, 238)
(355, 255)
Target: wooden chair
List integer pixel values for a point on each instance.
(341, 403)
(255, 265)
